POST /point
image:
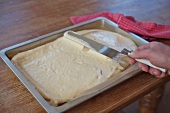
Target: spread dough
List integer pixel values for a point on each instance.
(61, 70)
(111, 39)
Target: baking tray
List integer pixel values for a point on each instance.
(97, 23)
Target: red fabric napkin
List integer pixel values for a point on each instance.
(147, 30)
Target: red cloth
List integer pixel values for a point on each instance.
(148, 30)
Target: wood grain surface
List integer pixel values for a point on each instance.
(21, 20)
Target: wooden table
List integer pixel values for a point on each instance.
(21, 20)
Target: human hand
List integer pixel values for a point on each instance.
(157, 53)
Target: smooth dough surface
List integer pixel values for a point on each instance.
(62, 70)
(111, 39)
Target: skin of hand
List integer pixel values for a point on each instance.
(157, 53)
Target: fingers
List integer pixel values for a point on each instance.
(131, 61)
(162, 75)
(168, 72)
(146, 46)
(143, 67)
(141, 52)
(154, 71)
(144, 53)
(157, 73)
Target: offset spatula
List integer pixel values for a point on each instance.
(103, 49)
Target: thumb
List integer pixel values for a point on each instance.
(144, 53)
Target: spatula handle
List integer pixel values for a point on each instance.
(147, 62)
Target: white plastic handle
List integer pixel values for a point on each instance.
(147, 62)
